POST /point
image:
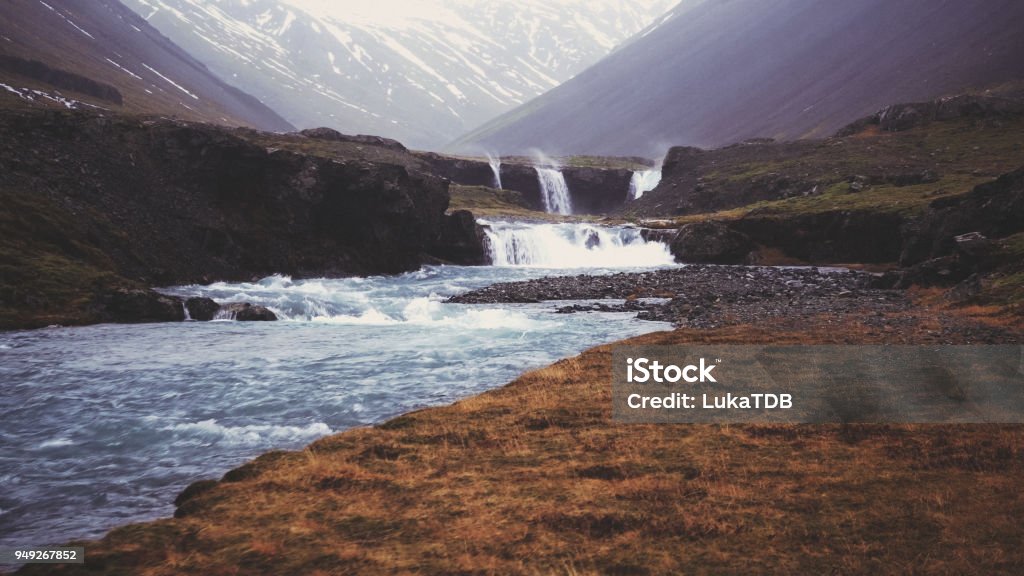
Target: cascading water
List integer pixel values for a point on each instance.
(554, 191)
(643, 181)
(495, 162)
(571, 245)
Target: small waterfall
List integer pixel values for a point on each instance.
(184, 307)
(495, 162)
(643, 181)
(554, 191)
(572, 246)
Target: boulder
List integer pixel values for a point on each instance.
(711, 243)
(246, 312)
(201, 308)
(461, 240)
(140, 305)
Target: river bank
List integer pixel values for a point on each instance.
(535, 476)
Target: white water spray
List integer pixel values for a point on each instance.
(554, 192)
(643, 181)
(495, 162)
(572, 246)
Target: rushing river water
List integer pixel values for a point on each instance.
(104, 425)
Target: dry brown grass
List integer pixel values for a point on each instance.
(535, 478)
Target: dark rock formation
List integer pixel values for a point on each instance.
(462, 240)
(523, 179)
(246, 312)
(198, 202)
(139, 305)
(593, 190)
(710, 243)
(905, 116)
(597, 190)
(664, 236)
(689, 184)
(119, 201)
(464, 171)
(333, 135)
(828, 237)
(201, 308)
(994, 210)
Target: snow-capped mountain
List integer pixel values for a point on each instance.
(716, 72)
(421, 71)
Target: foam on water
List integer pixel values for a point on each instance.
(105, 425)
(572, 245)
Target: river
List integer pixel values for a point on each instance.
(104, 425)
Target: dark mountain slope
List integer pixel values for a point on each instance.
(100, 52)
(730, 70)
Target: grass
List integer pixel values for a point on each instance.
(49, 270)
(486, 202)
(535, 478)
(959, 154)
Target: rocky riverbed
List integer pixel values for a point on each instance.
(710, 296)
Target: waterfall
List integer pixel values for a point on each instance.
(554, 191)
(495, 162)
(643, 181)
(572, 245)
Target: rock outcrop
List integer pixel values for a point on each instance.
(202, 309)
(899, 117)
(139, 305)
(162, 202)
(710, 243)
(333, 135)
(993, 210)
(462, 240)
(246, 312)
(593, 190)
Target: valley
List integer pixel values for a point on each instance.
(360, 318)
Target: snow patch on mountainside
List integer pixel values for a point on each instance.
(421, 71)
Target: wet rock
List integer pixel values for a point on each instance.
(973, 244)
(462, 240)
(246, 312)
(200, 308)
(140, 305)
(710, 242)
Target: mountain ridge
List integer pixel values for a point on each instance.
(421, 74)
(45, 45)
(723, 72)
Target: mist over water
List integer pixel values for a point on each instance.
(105, 425)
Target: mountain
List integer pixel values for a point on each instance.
(66, 52)
(421, 71)
(730, 70)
